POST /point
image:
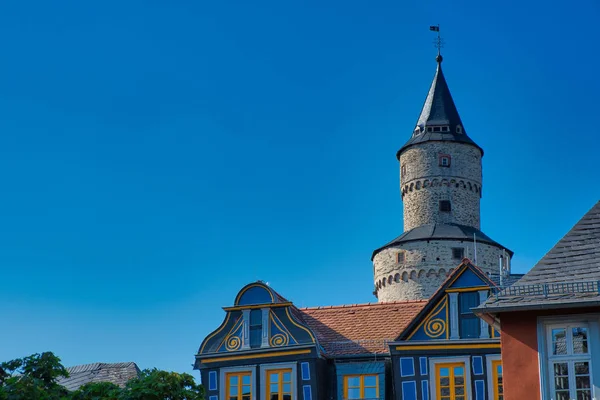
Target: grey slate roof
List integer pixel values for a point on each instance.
(117, 373)
(439, 231)
(567, 276)
(439, 110)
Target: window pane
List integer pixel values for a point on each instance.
(370, 380)
(582, 382)
(274, 396)
(582, 368)
(246, 397)
(580, 340)
(445, 391)
(584, 395)
(562, 395)
(287, 388)
(561, 369)
(469, 327)
(354, 381)
(274, 377)
(255, 317)
(246, 390)
(459, 380)
(370, 393)
(246, 379)
(287, 397)
(467, 301)
(459, 390)
(233, 391)
(559, 341)
(287, 376)
(255, 337)
(354, 393)
(444, 381)
(445, 371)
(233, 380)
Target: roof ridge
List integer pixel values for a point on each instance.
(342, 306)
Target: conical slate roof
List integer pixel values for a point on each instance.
(439, 119)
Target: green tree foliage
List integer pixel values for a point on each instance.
(35, 377)
(162, 385)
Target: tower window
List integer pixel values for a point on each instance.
(429, 129)
(458, 253)
(445, 129)
(401, 257)
(458, 129)
(403, 170)
(445, 206)
(444, 160)
(437, 128)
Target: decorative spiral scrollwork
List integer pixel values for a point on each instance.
(233, 343)
(435, 327)
(279, 340)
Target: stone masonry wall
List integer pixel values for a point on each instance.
(424, 183)
(426, 266)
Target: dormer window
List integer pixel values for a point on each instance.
(445, 129)
(417, 131)
(429, 129)
(255, 328)
(458, 129)
(444, 160)
(437, 128)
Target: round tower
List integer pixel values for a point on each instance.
(441, 188)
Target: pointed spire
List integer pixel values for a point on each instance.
(439, 119)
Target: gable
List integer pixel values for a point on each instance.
(434, 321)
(259, 319)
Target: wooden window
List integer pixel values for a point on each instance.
(451, 381)
(361, 387)
(279, 384)
(238, 386)
(458, 253)
(255, 328)
(497, 380)
(445, 206)
(469, 326)
(569, 362)
(401, 257)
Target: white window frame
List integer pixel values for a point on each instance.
(570, 358)
(433, 361)
(268, 367)
(243, 368)
(490, 373)
(545, 324)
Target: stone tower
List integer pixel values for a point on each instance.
(441, 187)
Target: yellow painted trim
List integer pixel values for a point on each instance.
(270, 305)
(469, 289)
(259, 355)
(287, 311)
(452, 386)
(277, 322)
(361, 385)
(236, 325)
(280, 383)
(449, 346)
(435, 310)
(495, 364)
(223, 325)
(239, 386)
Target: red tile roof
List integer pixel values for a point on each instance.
(360, 328)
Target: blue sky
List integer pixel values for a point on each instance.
(157, 156)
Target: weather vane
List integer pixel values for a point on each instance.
(438, 42)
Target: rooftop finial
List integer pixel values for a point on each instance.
(438, 42)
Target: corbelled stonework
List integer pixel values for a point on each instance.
(441, 187)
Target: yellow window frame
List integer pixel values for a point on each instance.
(496, 382)
(240, 384)
(280, 383)
(361, 384)
(451, 376)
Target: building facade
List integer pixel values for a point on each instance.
(550, 320)
(441, 186)
(420, 340)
